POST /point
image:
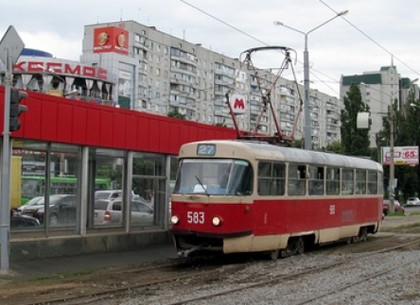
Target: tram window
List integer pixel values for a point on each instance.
(333, 181)
(372, 187)
(214, 177)
(360, 181)
(296, 180)
(347, 182)
(271, 178)
(316, 180)
(240, 181)
(380, 183)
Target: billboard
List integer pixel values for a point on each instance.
(403, 155)
(110, 39)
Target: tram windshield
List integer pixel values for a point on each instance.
(214, 177)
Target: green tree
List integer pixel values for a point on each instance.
(297, 143)
(176, 114)
(335, 147)
(406, 133)
(354, 141)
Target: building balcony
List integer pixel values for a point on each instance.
(185, 60)
(224, 72)
(191, 72)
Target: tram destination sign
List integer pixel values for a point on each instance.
(403, 155)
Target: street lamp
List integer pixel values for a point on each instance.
(307, 126)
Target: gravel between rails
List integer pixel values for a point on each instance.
(351, 274)
(383, 278)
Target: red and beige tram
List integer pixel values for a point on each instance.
(249, 196)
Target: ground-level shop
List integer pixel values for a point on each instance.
(66, 152)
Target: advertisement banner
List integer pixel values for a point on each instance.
(403, 155)
(110, 39)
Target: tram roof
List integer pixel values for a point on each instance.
(263, 150)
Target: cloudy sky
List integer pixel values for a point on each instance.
(370, 36)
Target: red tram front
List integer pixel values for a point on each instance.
(241, 196)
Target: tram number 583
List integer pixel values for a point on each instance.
(195, 217)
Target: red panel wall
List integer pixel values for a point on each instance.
(55, 119)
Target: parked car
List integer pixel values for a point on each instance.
(18, 221)
(62, 209)
(30, 203)
(110, 212)
(413, 201)
(112, 194)
(397, 207)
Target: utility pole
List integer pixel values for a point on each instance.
(10, 48)
(391, 189)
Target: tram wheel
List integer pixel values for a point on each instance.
(362, 235)
(294, 246)
(274, 255)
(300, 246)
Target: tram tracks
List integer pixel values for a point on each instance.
(148, 280)
(93, 288)
(45, 290)
(348, 285)
(280, 278)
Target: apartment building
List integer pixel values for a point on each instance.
(379, 89)
(159, 73)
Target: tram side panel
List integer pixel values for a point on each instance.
(268, 224)
(312, 214)
(328, 220)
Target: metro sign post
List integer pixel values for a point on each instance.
(238, 103)
(237, 106)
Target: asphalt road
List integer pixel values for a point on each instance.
(410, 210)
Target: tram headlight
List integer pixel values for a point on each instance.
(174, 219)
(216, 221)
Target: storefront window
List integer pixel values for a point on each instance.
(149, 189)
(28, 185)
(63, 202)
(106, 169)
(46, 184)
(50, 190)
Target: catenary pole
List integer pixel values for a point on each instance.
(306, 102)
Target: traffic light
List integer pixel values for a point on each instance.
(16, 96)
